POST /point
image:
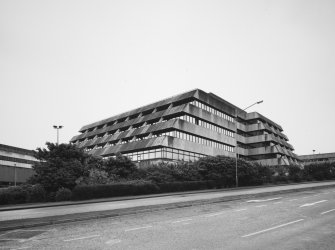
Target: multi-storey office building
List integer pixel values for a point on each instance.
(186, 127)
(317, 158)
(15, 165)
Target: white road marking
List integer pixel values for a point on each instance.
(311, 204)
(271, 199)
(26, 230)
(326, 212)
(293, 199)
(277, 202)
(261, 206)
(12, 239)
(272, 228)
(215, 214)
(178, 221)
(112, 242)
(238, 210)
(22, 248)
(137, 228)
(82, 238)
(186, 223)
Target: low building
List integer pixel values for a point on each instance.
(317, 158)
(15, 165)
(186, 127)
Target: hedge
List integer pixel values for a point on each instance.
(183, 186)
(112, 190)
(123, 189)
(22, 194)
(63, 194)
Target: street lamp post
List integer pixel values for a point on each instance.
(58, 128)
(236, 158)
(14, 174)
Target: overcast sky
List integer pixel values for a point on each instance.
(72, 63)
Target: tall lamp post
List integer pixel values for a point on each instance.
(58, 128)
(236, 158)
(15, 174)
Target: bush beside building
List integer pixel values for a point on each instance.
(66, 172)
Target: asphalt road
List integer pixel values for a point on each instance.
(304, 220)
(42, 212)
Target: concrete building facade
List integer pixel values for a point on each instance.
(15, 165)
(317, 158)
(186, 127)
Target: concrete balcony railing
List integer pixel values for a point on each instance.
(260, 126)
(276, 149)
(263, 150)
(263, 138)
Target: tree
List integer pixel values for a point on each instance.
(120, 166)
(218, 168)
(60, 166)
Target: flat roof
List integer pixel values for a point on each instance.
(317, 156)
(12, 149)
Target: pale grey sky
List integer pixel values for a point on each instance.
(76, 62)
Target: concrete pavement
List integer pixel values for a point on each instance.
(39, 216)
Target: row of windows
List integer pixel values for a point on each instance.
(177, 134)
(196, 103)
(7, 158)
(174, 133)
(166, 153)
(196, 139)
(212, 110)
(112, 123)
(128, 128)
(207, 125)
(183, 117)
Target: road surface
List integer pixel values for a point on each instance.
(303, 220)
(42, 212)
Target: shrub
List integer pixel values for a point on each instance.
(60, 166)
(295, 173)
(36, 193)
(120, 166)
(136, 187)
(13, 195)
(222, 170)
(4, 196)
(182, 186)
(112, 190)
(51, 196)
(63, 194)
(320, 171)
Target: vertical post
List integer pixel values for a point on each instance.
(236, 149)
(57, 128)
(15, 174)
(57, 136)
